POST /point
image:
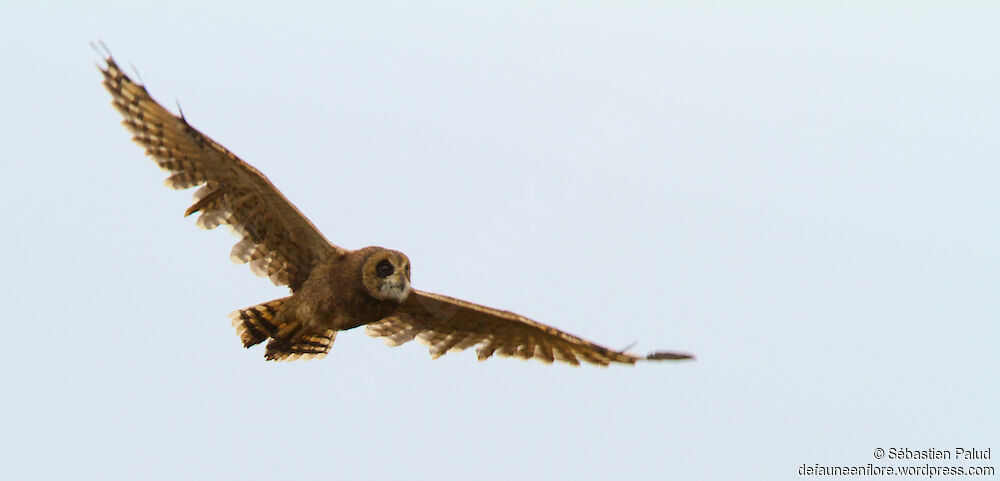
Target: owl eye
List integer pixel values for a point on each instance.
(384, 268)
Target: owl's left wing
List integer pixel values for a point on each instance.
(447, 324)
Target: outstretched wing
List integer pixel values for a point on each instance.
(448, 324)
(276, 239)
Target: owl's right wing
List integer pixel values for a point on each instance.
(447, 324)
(277, 240)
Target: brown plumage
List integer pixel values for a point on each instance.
(333, 289)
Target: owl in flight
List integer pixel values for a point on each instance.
(332, 289)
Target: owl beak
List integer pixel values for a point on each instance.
(405, 284)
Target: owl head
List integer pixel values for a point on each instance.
(386, 274)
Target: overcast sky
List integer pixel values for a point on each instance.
(803, 194)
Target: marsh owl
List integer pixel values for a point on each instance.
(332, 289)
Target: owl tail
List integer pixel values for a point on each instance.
(289, 339)
(255, 324)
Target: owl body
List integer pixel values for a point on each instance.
(346, 289)
(353, 288)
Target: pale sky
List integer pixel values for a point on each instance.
(803, 194)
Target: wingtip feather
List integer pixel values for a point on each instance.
(669, 356)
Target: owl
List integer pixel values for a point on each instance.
(332, 289)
